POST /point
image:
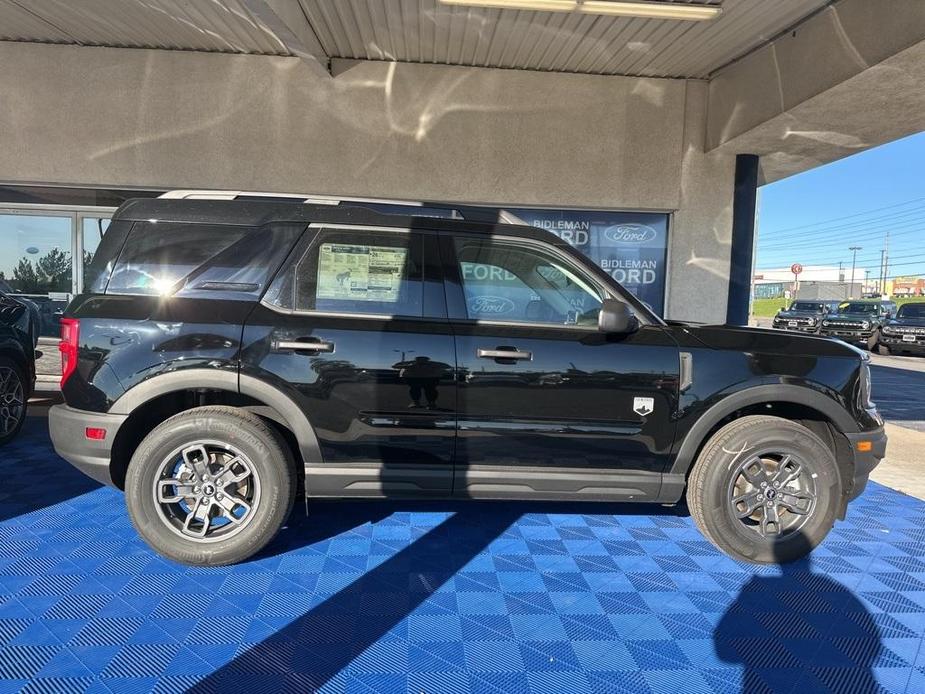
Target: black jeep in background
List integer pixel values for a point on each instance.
(905, 334)
(228, 353)
(858, 322)
(804, 316)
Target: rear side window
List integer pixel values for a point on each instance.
(97, 273)
(192, 260)
(354, 272)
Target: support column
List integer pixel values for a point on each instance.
(741, 256)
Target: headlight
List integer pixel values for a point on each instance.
(825, 324)
(865, 325)
(888, 331)
(812, 321)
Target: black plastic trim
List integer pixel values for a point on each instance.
(755, 395)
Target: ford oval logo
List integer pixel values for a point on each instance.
(630, 233)
(490, 305)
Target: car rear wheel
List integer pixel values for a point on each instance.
(12, 399)
(210, 486)
(764, 490)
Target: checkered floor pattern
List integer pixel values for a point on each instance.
(395, 597)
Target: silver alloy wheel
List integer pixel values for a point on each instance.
(206, 491)
(12, 403)
(772, 494)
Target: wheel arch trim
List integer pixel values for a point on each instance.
(756, 395)
(215, 379)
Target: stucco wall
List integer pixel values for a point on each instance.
(107, 116)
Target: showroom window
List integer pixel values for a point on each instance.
(510, 281)
(38, 245)
(367, 272)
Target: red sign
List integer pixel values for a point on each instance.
(796, 268)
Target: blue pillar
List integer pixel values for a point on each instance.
(743, 238)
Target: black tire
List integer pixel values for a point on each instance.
(13, 393)
(272, 479)
(711, 490)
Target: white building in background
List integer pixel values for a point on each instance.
(811, 273)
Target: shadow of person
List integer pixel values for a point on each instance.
(799, 631)
(423, 377)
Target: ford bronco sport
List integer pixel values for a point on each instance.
(229, 355)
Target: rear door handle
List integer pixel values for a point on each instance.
(302, 346)
(502, 353)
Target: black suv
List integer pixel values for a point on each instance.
(228, 354)
(17, 364)
(857, 322)
(803, 316)
(906, 332)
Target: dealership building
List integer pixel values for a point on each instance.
(638, 132)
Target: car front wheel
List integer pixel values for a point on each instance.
(764, 490)
(210, 486)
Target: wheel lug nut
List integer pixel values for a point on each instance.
(761, 497)
(764, 484)
(196, 489)
(770, 504)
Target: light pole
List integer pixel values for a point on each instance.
(854, 256)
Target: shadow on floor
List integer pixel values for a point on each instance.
(37, 478)
(799, 631)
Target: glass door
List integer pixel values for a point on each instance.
(92, 227)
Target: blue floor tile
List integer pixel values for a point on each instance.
(448, 597)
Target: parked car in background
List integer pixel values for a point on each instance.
(858, 322)
(803, 316)
(905, 332)
(35, 317)
(227, 354)
(17, 364)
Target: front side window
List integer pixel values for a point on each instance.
(354, 272)
(512, 282)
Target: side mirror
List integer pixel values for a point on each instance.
(616, 317)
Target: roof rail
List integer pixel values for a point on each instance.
(459, 212)
(309, 199)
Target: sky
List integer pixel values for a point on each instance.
(814, 218)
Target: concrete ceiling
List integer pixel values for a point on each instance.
(422, 31)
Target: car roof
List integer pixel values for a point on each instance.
(259, 213)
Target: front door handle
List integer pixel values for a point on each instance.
(504, 353)
(301, 346)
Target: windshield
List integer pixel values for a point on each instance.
(855, 307)
(911, 311)
(805, 306)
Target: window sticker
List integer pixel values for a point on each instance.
(360, 273)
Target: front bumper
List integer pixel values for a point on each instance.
(68, 429)
(896, 342)
(865, 461)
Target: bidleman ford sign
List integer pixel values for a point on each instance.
(630, 246)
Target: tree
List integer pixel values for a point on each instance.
(25, 277)
(54, 270)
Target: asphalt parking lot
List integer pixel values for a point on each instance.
(899, 389)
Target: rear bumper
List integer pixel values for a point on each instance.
(68, 435)
(866, 461)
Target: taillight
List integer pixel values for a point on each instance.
(70, 333)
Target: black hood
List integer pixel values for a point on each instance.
(908, 322)
(748, 339)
